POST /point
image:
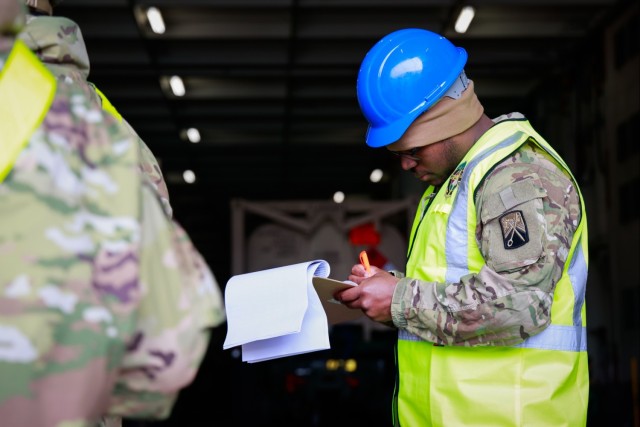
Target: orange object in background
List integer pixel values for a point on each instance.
(365, 234)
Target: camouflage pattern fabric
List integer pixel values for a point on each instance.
(528, 276)
(59, 44)
(105, 305)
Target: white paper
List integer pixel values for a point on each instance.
(277, 312)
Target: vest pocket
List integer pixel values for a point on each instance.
(513, 225)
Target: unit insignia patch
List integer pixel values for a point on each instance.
(514, 230)
(455, 179)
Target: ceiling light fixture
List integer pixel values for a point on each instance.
(464, 19)
(155, 20)
(189, 176)
(376, 175)
(193, 135)
(177, 85)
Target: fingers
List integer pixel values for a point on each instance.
(375, 270)
(358, 270)
(347, 296)
(356, 279)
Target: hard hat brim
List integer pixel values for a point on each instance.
(386, 135)
(380, 136)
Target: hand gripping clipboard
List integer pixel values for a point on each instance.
(336, 312)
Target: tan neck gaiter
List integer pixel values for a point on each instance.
(447, 118)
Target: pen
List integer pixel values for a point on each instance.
(364, 260)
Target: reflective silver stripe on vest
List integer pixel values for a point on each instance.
(554, 337)
(408, 336)
(558, 337)
(578, 276)
(456, 247)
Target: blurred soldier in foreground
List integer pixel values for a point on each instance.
(105, 305)
(59, 44)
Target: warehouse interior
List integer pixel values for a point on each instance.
(268, 129)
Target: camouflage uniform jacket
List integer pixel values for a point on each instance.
(58, 42)
(105, 305)
(423, 308)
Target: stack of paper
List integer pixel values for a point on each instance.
(283, 311)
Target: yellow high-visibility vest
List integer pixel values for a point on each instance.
(543, 381)
(27, 89)
(107, 105)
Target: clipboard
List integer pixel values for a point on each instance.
(336, 312)
(283, 311)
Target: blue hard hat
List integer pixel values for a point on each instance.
(401, 77)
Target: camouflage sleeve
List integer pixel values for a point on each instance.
(148, 163)
(527, 211)
(151, 170)
(180, 302)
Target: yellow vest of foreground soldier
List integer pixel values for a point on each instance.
(30, 88)
(541, 381)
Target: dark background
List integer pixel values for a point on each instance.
(271, 87)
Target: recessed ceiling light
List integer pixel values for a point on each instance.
(177, 85)
(464, 19)
(193, 135)
(189, 176)
(376, 175)
(155, 20)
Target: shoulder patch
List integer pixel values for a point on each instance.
(455, 179)
(514, 230)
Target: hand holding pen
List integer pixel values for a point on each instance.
(374, 292)
(364, 260)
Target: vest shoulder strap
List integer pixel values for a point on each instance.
(106, 104)
(27, 89)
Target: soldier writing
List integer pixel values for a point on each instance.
(490, 309)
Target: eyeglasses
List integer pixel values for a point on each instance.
(409, 154)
